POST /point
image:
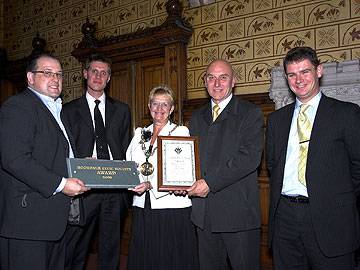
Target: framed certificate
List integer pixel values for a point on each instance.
(178, 162)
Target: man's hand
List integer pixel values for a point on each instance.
(74, 187)
(199, 189)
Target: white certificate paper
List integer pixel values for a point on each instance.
(179, 166)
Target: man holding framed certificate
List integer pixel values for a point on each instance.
(225, 200)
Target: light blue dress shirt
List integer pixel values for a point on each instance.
(55, 107)
(291, 185)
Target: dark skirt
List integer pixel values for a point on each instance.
(162, 239)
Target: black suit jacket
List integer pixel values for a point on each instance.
(332, 172)
(33, 161)
(117, 124)
(230, 153)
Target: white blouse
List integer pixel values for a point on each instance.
(159, 200)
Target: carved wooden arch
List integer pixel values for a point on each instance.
(169, 41)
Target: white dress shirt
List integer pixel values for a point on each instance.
(291, 185)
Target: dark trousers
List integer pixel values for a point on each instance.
(105, 211)
(239, 249)
(18, 254)
(294, 244)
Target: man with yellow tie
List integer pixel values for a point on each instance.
(225, 201)
(313, 156)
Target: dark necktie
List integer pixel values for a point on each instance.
(100, 134)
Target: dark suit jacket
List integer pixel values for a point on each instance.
(33, 161)
(332, 172)
(230, 153)
(117, 123)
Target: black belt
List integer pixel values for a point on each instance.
(296, 199)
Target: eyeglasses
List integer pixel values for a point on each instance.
(212, 78)
(162, 105)
(305, 72)
(49, 74)
(96, 72)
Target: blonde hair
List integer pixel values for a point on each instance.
(162, 89)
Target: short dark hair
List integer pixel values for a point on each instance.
(98, 57)
(299, 54)
(32, 64)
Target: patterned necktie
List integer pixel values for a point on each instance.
(216, 110)
(100, 134)
(304, 127)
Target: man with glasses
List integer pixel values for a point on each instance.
(226, 208)
(313, 156)
(34, 189)
(104, 209)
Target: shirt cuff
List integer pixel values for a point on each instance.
(61, 186)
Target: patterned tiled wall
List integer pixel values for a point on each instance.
(253, 35)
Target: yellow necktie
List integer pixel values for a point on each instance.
(216, 110)
(304, 127)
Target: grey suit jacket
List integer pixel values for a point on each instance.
(33, 161)
(230, 153)
(332, 174)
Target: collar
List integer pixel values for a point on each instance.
(314, 102)
(222, 104)
(46, 99)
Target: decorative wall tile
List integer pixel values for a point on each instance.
(92, 7)
(160, 19)
(327, 37)
(78, 11)
(350, 33)
(253, 35)
(231, 8)
(127, 14)
(190, 80)
(144, 9)
(157, 6)
(263, 24)
(260, 5)
(236, 51)
(355, 8)
(263, 47)
(138, 26)
(209, 13)
(194, 58)
(193, 16)
(239, 72)
(109, 19)
(235, 29)
(210, 34)
(355, 53)
(327, 12)
(199, 78)
(209, 54)
(283, 3)
(284, 42)
(334, 56)
(106, 5)
(258, 72)
(293, 18)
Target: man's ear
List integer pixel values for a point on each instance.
(319, 70)
(30, 77)
(85, 74)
